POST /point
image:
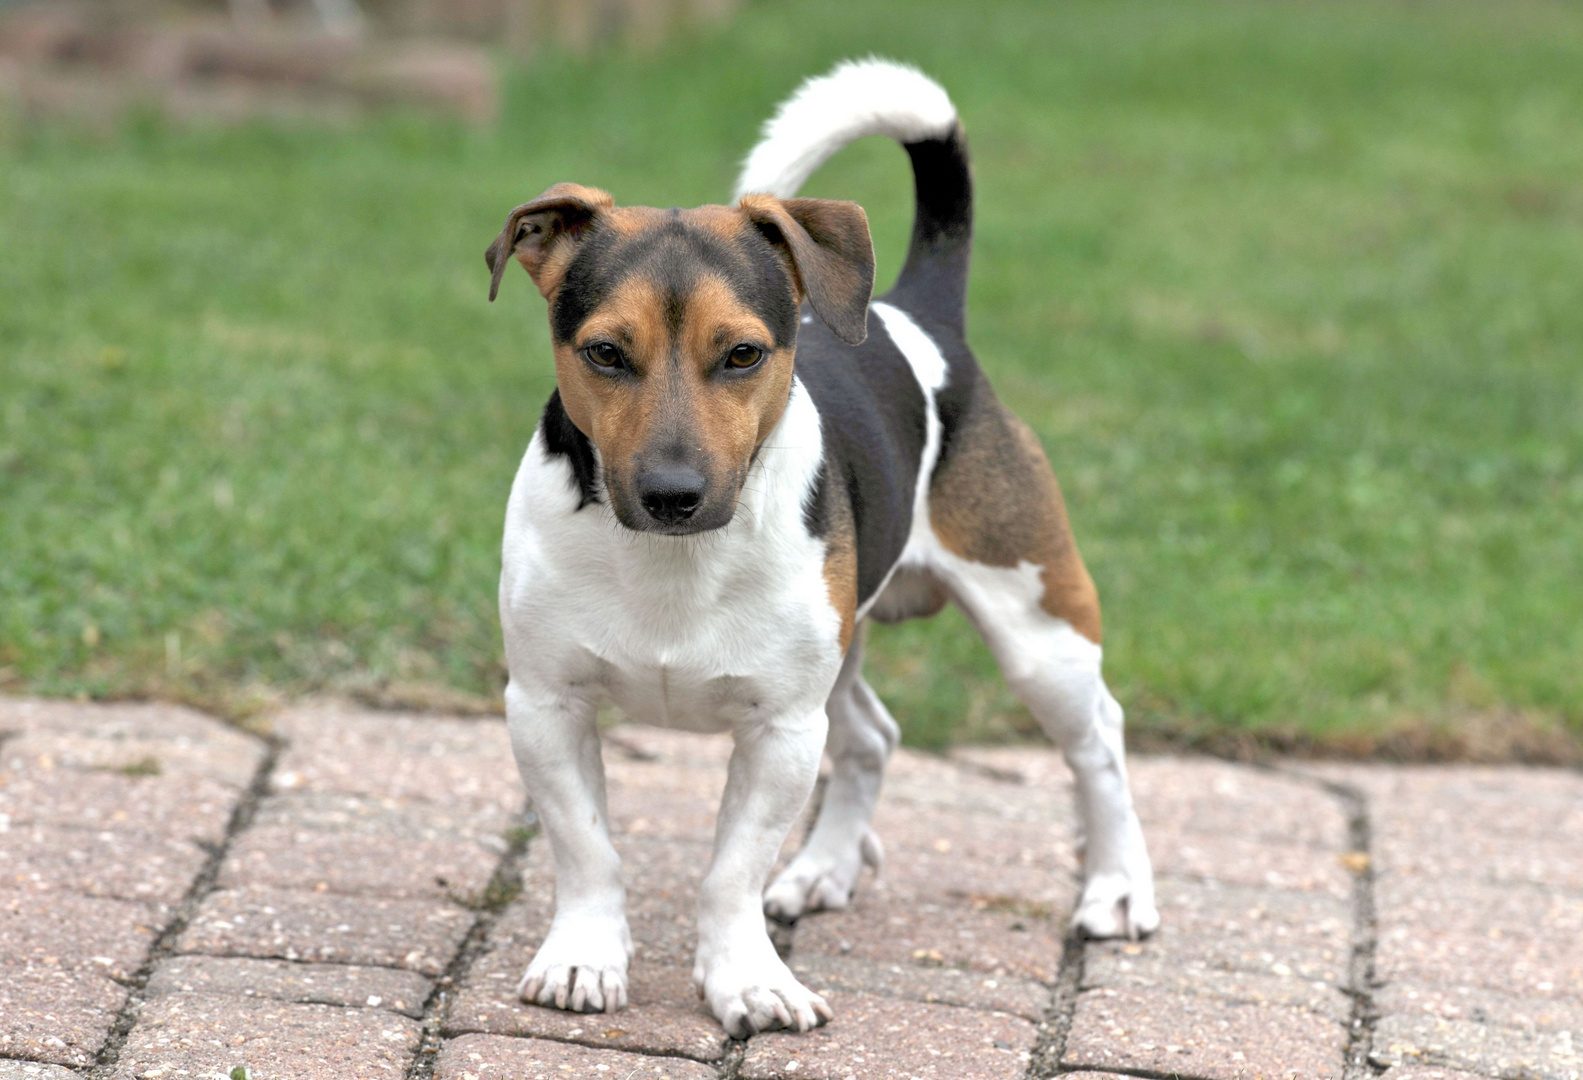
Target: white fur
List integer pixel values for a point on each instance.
(677, 631)
(1055, 671)
(1046, 662)
(857, 98)
(735, 629)
(673, 628)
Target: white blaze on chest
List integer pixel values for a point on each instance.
(693, 631)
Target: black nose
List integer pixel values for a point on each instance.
(671, 494)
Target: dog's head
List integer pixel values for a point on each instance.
(674, 331)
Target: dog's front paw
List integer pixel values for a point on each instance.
(760, 994)
(821, 880)
(581, 967)
(1112, 909)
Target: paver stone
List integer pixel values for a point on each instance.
(346, 985)
(491, 1057)
(33, 1070)
(873, 1037)
(417, 935)
(54, 1012)
(353, 751)
(1177, 1033)
(202, 1036)
(1521, 940)
(1476, 1048)
(930, 984)
(123, 864)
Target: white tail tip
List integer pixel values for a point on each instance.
(857, 98)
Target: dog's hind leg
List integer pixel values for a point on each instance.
(862, 737)
(1005, 552)
(582, 963)
(1056, 672)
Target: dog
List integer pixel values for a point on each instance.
(743, 462)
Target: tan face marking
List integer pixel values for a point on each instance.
(661, 298)
(676, 399)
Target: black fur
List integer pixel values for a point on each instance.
(933, 282)
(562, 439)
(672, 258)
(871, 414)
(816, 506)
(870, 405)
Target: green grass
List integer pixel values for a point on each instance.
(1292, 292)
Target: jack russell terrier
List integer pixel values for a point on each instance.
(743, 462)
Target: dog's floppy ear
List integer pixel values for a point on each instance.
(826, 242)
(534, 229)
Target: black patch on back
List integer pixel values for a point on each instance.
(871, 414)
(562, 439)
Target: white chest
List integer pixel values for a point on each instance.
(697, 632)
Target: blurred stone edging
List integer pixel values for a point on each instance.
(326, 59)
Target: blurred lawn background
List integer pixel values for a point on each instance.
(1292, 292)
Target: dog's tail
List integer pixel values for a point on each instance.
(881, 97)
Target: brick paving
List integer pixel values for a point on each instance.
(357, 895)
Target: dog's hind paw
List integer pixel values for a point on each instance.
(581, 972)
(821, 881)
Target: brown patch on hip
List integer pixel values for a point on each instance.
(995, 500)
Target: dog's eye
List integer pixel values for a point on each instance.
(743, 356)
(603, 354)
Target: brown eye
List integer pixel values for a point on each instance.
(743, 356)
(603, 354)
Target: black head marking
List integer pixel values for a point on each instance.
(673, 256)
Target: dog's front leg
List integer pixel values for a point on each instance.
(582, 964)
(748, 986)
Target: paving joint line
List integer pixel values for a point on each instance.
(1129, 1070)
(588, 1044)
(328, 961)
(1049, 1046)
(730, 1067)
(504, 886)
(1357, 1063)
(163, 946)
